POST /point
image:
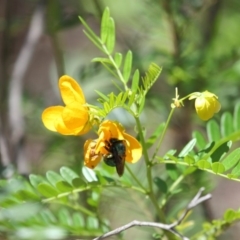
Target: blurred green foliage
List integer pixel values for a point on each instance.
(196, 42)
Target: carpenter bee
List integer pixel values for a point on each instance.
(117, 154)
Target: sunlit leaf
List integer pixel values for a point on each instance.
(47, 190)
(203, 164)
(63, 186)
(236, 170)
(232, 159)
(218, 167)
(110, 43)
(53, 177)
(68, 174)
(102, 60)
(190, 145)
(230, 215)
(189, 170)
(103, 96)
(135, 80)
(104, 25)
(35, 180)
(213, 131)
(226, 124)
(201, 142)
(236, 118)
(189, 159)
(127, 67)
(118, 59)
(150, 77)
(89, 174)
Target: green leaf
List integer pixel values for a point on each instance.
(236, 170)
(201, 142)
(118, 59)
(89, 174)
(25, 195)
(102, 60)
(78, 183)
(218, 167)
(104, 25)
(162, 185)
(236, 117)
(172, 171)
(127, 66)
(141, 104)
(53, 177)
(135, 80)
(91, 35)
(64, 217)
(189, 170)
(189, 159)
(203, 164)
(107, 107)
(226, 124)
(221, 151)
(103, 96)
(213, 131)
(47, 190)
(78, 220)
(232, 159)
(35, 180)
(131, 99)
(155, 135)
(110, 43)
(63, 186)
(68, 174)
(150, 77)
(230, 215)
(187, 148)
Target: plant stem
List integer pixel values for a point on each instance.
(173, 186)
(135, 178)
(149, 165)
(162, 135)
(115, 66)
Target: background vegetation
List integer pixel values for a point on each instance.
(197, 42)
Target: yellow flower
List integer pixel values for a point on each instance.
(73, 119)
(95, 149)
(91, 158)
(206, 104)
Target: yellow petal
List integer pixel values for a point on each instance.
(206, 105)
(134, 149)
(70, 90)
(52, 115)
(75, 116)
(91, 158)
(111, 129)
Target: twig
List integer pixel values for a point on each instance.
(169, 227)
(15, 89)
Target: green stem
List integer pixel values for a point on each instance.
(135, 178)
(162, 135)
(61, 195)
(149, 173)
(121, 78)
(78, 208)
(173, 186)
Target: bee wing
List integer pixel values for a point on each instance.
(120, 165)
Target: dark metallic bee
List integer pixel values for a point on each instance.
(117, 154)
